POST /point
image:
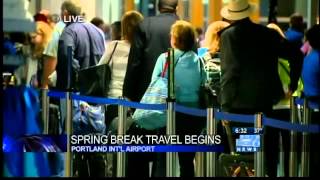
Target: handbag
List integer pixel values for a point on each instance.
(95, 80)
(156, 93)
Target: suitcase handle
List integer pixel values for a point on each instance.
(230, 139)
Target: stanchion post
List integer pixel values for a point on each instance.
(171, 157)
(259, 155)
(293, 160)
(68, 120)
(200, 164)
(45, 110)
(121, 156)
(305, 154)
(211, 157)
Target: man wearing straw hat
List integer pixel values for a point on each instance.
(249, 63)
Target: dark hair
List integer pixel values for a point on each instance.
(313, 36)
(199, 30)
(97, 21)
(167, 5)
(296, 22)
(41, 17)
(116, 30)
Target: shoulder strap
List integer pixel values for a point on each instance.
(167, 64)
(115, 46)
(165, 69)
(284, 67)
(201, 67)
(90, 40)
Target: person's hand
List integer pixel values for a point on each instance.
(44, 86)
(225, 123)
(211, 66)
(129, 109)
(288, 94)
(84, 106)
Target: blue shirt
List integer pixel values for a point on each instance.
(88, 46)
(311, 74)
(295, 37)
(187, 76)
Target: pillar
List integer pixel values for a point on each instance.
(197, 13)
(129, 5)
(181, 9)
(255, 17)
(214, 9)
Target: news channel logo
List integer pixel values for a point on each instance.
(248, 143)
(68, 19)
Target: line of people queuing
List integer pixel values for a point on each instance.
(260, 70)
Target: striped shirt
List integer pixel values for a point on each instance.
(118, 66)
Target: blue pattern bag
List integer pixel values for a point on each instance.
(156, 93)
(88, 119)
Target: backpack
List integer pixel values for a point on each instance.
(213, 71)
(284, 74)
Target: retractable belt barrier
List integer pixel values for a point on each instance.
(214, 115)
(280, 124)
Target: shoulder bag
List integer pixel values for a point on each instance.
(95, 80)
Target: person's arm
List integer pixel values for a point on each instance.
(50, 59)
(134, 67)
(49, 66)
(294, 55)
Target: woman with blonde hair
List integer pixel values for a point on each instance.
(212, 58)
(41, 38)
(211, 40)
(31, 72)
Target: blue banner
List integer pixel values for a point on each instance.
(147, 148)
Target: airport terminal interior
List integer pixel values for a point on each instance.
(161, 88)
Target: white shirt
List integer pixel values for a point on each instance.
(118, 66)
(52, 48)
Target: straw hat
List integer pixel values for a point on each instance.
(237, 9)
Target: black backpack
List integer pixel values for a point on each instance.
(213, 70)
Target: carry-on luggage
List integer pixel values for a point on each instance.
(235, 165)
